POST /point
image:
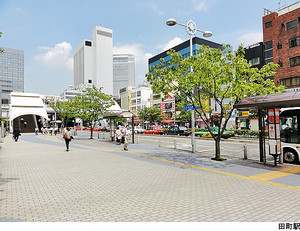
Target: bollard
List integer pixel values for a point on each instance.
(245, 152)
(103, 135)
(175, 144)
(137, 140)
(159, 143)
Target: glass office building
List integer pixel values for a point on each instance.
(183, 49)
(11, 76)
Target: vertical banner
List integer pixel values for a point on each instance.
(274, 132)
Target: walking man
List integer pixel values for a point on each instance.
(127, 136)
(16, 134)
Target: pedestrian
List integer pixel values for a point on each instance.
(67, 136)
(127, 136)
(36, 130)
(118, 136)
(16, 134)
(51, 131)
(55, 130)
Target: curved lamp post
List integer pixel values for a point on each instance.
(191, 29)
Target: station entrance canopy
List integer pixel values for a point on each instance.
(26, 104)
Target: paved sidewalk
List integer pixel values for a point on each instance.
(98, 181)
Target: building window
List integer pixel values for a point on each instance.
(279, 46)
(280, 63)
(268, 45)
(292, 24)
(255, 61)
(89, 81)
(138, 93)
(88, 43)
(268, 24)
(294, 42)
(295, 61)
(290, 82)
(269, 54)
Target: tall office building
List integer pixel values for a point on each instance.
(123, 72)
(93, 61)
(11, 76)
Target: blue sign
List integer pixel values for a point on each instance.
(188, 108)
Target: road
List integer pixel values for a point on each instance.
(233, 147)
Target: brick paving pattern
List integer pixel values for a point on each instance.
(97, 181)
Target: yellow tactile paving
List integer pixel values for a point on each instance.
(255, 178)
(277, 174)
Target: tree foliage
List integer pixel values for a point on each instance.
(150, 114)
(218, 75)
(64, 110)
(91, 106)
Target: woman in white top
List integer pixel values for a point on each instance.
(67, 136)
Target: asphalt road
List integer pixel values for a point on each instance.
(233, 147)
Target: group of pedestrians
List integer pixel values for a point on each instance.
(123, 136)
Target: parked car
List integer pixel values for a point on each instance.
(105, 129)
(179, 131)
(138, 129)
(154, 130)
(226, 134)
(97, 128)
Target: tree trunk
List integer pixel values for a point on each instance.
(92, 132)
(218, 149)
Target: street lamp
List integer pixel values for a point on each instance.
(191, 29)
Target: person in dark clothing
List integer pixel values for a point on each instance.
(16, 134)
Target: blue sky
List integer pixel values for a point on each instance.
(49, 31)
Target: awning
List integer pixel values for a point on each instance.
(124, 114)
(167, 121)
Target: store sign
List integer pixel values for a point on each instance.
(245, 113)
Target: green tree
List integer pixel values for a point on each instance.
(150, 114)
(91, 106)
(64, 110)
(218, 75)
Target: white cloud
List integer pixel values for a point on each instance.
(251, 38)
(202, 5)
(57, 56)
(156, 8)
(172, 43)
(20, 11)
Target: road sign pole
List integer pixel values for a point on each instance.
(193, 131)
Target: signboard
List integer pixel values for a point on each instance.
(188, 108)
(245, 113)
(274, 132)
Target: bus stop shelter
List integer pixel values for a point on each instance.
(265, 102)
(118, 115)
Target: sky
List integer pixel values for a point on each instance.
(48, 31)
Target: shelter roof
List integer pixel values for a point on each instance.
(280, 100)
(122, 114)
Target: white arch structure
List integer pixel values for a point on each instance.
(25, 104)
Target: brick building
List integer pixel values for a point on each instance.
(281, 37)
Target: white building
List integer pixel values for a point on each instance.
(72, 91)
(93, 60)
(134, 99)
(123, 72)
